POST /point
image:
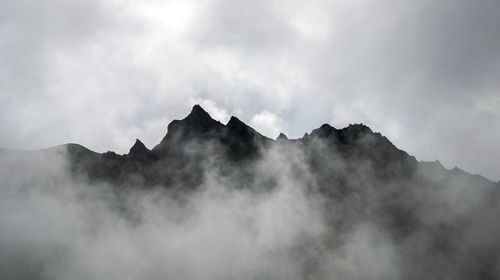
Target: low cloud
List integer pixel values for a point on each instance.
(290, 220)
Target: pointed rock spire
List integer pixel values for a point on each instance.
(138, 147)
(198, 113)
(196, 124)
(282, 136)
(235, 125)
(200, 120)
(197, 121)
(234, 122)
(139, 151)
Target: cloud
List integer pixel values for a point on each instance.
(419, 71)
(267, 123)
(55, 227)
(215, 111)
(289, 220)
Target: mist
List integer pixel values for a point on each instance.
(54, 227)
(285, 222)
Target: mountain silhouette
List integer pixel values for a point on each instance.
(360, 177)
(198, 138)
(192, 143)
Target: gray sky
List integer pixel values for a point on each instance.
(103, 72)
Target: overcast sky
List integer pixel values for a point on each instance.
(101, 73)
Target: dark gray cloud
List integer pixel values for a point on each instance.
(103, 73)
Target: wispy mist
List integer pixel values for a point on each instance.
(285, 222)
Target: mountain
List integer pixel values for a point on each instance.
(337, 159)
(198, 139)
(441, 224)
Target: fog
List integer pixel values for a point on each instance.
(54, 225)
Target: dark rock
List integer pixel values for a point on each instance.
(282, 136)
(139, 152)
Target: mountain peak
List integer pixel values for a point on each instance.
(198, 113)
(138, 145)
(236, 125)
(282, 136)
(139, 151)
(323, 131)
(235, 122)
(198, 120)
(358, 128)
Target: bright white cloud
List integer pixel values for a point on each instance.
(267, 123)
(215, 111)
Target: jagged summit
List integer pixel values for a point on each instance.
(282, 136)
(349, 133)
(139, 152)
(242, 132)
(198, 113)
(357, 127)
(323, 131)
(338, 160)
(138, 147)
(241, 142)
(198, 119)
(235, 122)
(198, 122)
